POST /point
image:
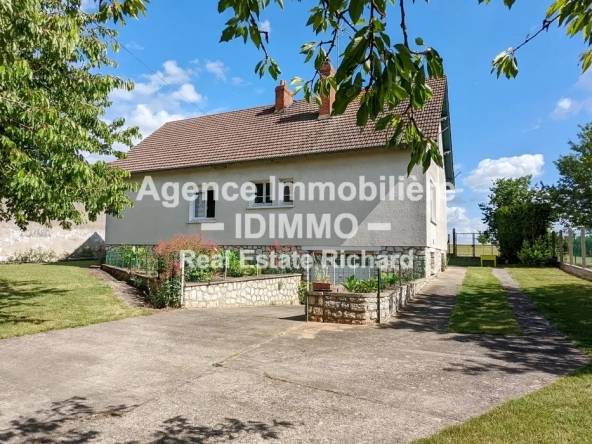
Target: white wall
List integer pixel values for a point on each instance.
(437, 233)
(148, 222)
(56, 239)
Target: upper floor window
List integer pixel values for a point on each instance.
(263, 194)
(204, 206)
(287, 192)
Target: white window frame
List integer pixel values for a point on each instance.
(284, 183)
(266, 184)
(193, 208)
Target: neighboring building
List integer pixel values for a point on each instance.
(82, 241)
(295, 142)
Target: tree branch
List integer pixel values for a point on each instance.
(545, 27)
(404, 23)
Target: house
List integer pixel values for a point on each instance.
(301, 167)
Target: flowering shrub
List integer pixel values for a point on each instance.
(168, 252)
(34, 255)
(282, 263)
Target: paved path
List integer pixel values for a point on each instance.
(260, 374)
(531, 321)
(124, 292)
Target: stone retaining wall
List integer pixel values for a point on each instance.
(580, 272)
(234, 292)
(123, 274)
(241, 292)
(359, 308)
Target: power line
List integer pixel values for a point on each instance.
(152, 71)
(160, 77)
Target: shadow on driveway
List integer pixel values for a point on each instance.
(70, 421)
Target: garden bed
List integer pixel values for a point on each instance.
(360, 308)
(267, 289)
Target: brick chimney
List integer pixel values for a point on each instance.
(283, 97)
(327, 102)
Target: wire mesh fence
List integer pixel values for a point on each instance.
(470, 245)
(574, 247)
(361, 272)
(139, 258)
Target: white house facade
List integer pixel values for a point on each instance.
(288, 174)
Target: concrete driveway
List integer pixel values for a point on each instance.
(260, 374)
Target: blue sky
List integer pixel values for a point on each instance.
(500, 128)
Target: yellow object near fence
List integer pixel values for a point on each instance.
(489, 257)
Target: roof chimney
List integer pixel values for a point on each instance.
(283, 97)
(327, 102)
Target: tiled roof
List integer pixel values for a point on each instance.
(260, 133)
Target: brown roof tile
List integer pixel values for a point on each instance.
(260, 133)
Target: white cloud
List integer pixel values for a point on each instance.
(585, 81)
(217, 68)
(194, 61)
(564, 107)
(134, 46)
(188, 91)
(88, 5)
(237, 81)
(149, 121)
(459, 219)
(535, 127)
(488, 170)
(153, 102)
(173, 75)
(265, 26)
(567, 107)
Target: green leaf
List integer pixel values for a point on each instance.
(356, 7)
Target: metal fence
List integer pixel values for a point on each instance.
(468, 245)
(138, 258)
(343, 267)
(574, 247)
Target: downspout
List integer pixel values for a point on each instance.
(182, 298)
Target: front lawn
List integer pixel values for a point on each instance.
(565, 300)
(482, 306)
(41, 297)
(560, 412)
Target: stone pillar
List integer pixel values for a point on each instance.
(561, 250)
(570, 246)
(583, 242)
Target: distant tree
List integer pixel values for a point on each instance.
(389, 69)
(483, 238)
(506, 193)
(53, 98)
(572, 195)
(520, 225)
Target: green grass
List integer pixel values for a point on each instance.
(467, 250)
(464, 261)
(565, 300)
(560, 412)
(38, 297)
(482, 306)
